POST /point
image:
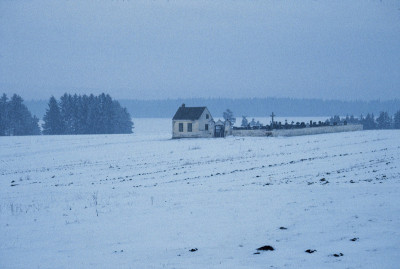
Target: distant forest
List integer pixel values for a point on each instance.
(252, 107)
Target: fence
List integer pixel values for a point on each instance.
(297, 132)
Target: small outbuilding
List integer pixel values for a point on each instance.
(192, 122)
(219, 129)
(222, 128)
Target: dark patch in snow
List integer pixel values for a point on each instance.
(338, 255)
(282, 228)
(256, 253)
(311, 250)
(322, 179)
(193, 250)
(266, 248)
(354, 239)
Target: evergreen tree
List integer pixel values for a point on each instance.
(3, 114)
(369, 122)
(83, 108)
(52, 119)
(245, 122)
(66, 111)
(353, 120)
(19, 119)
(396, 120)
(15, 116)
(93, 121)
(335, 120)
(106, 114)
(75, 100)
(384, 121)
(122, 123)
(252, 123)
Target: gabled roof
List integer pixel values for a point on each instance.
(219, 122)
(188, 113)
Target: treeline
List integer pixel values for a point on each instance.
(83, 114)
(72, 114)
(369, 122)
(15, 118)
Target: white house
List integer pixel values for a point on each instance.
(192, 122)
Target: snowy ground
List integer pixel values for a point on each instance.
(144, 201)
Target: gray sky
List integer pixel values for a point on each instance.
(185, 48)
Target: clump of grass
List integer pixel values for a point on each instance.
(95, 201)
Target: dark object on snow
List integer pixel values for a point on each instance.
(255, 253)
(193, 250)
(338, 255)
(354, 239)
(322, 179)
(311, 250)
(282, 228)
(266, 248)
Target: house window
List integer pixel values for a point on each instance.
(189, 127)
(180, 127)
(206, 127)
(207, 116)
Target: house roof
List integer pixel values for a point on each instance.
(219, 122)
(188, 113)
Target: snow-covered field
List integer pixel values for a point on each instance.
(144, 200)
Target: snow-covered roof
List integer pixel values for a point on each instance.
(188, 113)
(219, 122)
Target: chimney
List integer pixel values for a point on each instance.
(183, 105)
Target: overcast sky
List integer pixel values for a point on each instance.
(178, 49)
